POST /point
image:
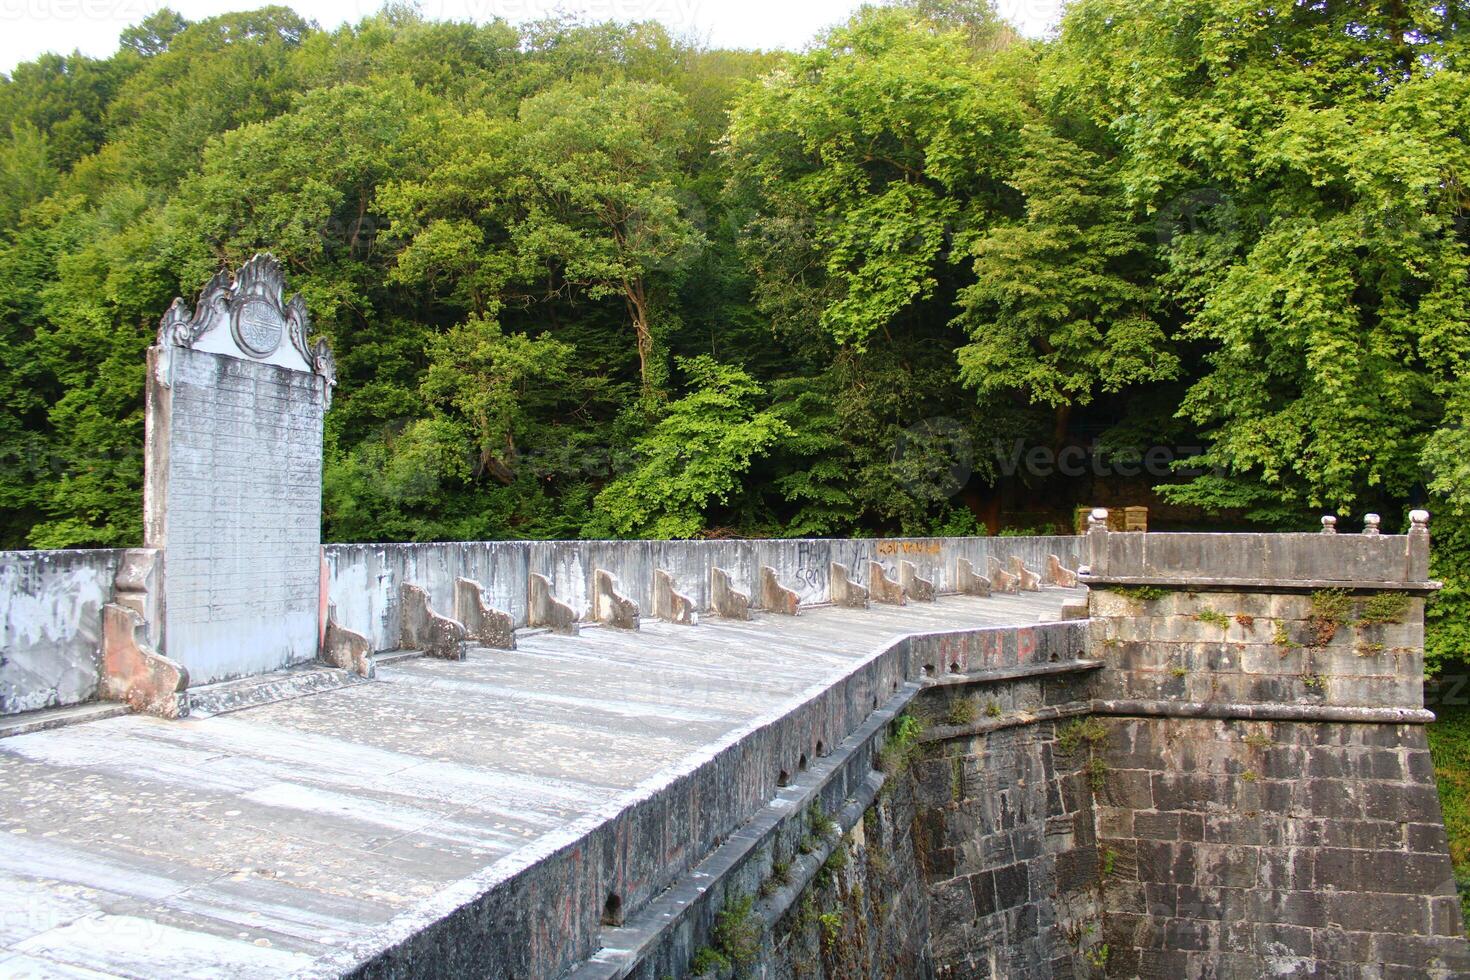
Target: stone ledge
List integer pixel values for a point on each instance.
(1263, 712)
(1057, 712)
(250, 692)
(1269, 585)
(1020, 672)
(45, 719)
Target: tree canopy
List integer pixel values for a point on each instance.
(589, 279)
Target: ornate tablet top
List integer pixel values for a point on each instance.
(247, 316)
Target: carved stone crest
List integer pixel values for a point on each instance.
(247, 316)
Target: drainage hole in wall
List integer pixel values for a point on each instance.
(784, 779)
(821, 749)
(954, 668)
(612, 911)
(928, 670)
(801, 763)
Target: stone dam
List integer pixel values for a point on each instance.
(239, 752)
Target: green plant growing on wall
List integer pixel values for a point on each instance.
(901, 747)
(1383, 607)
(821, 825)
(1315, 683)
(1366, 649)
(1178, 670)
(831, 924)
(1281, 637)
(1087, 731)
(1213, 617)
(1098, 956)
(1109, 860)
(708, 961)
(1249, 775)
(1331, 608)
(1097, 774)
(957, 779)
(961, 712)
(992, 709)
(1140, 593)
(737, 932)
(1257, 740)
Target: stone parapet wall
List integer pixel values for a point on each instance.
(365, 580)
(51, 626)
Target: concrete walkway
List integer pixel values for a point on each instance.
(252, 843)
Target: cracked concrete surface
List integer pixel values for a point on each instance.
(253, 843)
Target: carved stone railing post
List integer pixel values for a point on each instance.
(882, 588)
(967, 582)
(669, 604)
(543, 611)
(486, 626)
(846, 592)
(1026, 579)
(1000, 579)
(132, 671)
(920, 589)
(726, 601)
(344, 649)
(775, 597)
(421, 628)
(1059, 574)
(609, 607)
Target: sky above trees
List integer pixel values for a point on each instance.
(33, 27)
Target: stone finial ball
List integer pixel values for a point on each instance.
(1419, 520)
(1099, 515)
(1329, 525)
(1370, 523)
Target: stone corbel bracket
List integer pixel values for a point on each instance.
(421, 628)
(670, 605)
(726, 601)
(775, 597)
(919, 589)
(1000, 579)
(967, 582)
(345, 649)
(609, 607)
(1026, 579)
(132, 670)
(544, 611)
(133, 673)
(846, 592)
(485, 625)
(882, 588)
(1059, 574)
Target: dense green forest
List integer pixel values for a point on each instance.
(591, 279)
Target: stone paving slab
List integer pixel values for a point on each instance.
(252, 843)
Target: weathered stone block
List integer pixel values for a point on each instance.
(775, 597)
(726, 601)
(610, 607)
(844, 591)
(881, 588)
(544, 611)
(133, 673)
(424, 629)
(670, 605)
(916, 588)
(344, 649)
(967, 582)
(485, 626)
